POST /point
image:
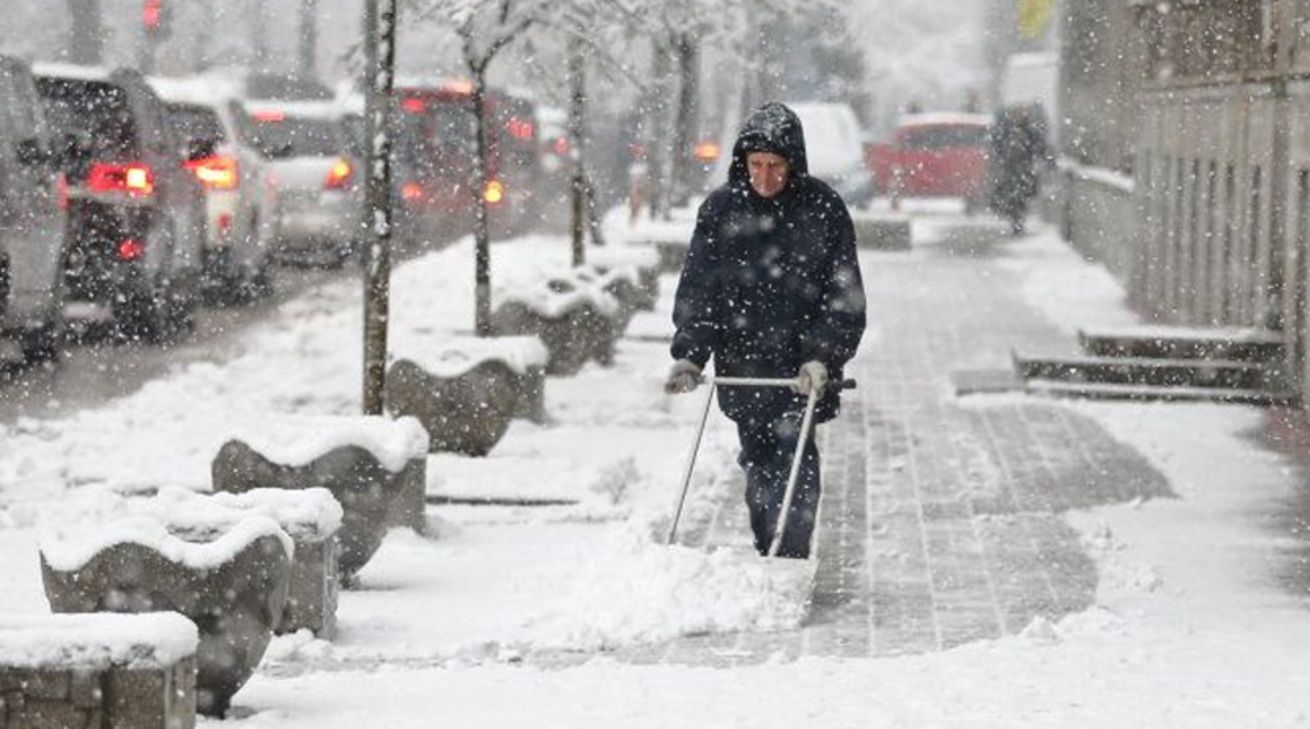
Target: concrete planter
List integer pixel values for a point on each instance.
(110, 671)
(466, 390)
(230, 579)
(376, 468)
(883, 232)
(312, 518)
(576, 321)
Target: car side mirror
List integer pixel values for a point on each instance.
(30, 153)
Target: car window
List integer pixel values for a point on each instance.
(280, 136)
(944, 137)
(452, 127)
(95, 113)
(197, 123)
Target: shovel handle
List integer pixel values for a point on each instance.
(846, 384)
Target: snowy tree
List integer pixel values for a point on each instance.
(484, 29)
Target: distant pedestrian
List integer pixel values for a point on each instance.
(771, 288)
(1018, 154)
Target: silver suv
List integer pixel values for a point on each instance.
(136, 214)
(32, 220)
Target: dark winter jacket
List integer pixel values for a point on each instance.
(770, 283)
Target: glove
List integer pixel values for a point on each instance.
(684, 376)
(813, 376)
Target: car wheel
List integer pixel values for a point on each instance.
(41, 345)
(144, 316)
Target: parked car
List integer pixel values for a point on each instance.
(935, 155)
(233, 176)
(136, 214)
(834, 149)
(314, 196)
(32, 219)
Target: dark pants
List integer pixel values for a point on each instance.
(767, 449)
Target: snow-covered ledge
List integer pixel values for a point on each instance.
(98, 670)
(882, 231)
(229, 573)
(375, 467)
(575, 319)
(465, 390)
(311, 517)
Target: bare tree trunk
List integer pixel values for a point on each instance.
(687, 49)
(259, 35)
(86, 43)
(482, 212)
(577, 132)
(380, 51)
(308, 47)
(657, 151)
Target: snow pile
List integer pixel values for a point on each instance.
(553, 294)
(631, 591)
(297, 440)
(96, 641)
(72, 533)
(457, 355)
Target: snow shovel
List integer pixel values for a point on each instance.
(806, 422)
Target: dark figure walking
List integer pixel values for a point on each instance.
(1018, 151)
(771, 288)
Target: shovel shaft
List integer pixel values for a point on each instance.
(787, 497)
(691, 464)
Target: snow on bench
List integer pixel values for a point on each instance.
(375, 467)
(101, 670)
(446, 409)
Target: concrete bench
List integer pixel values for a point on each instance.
(882, 231)
(228, 574)
(375, 467)
(465, 390)
(101, 670)
(311, 517)
(576, 320)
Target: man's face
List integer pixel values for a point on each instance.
(768, 173)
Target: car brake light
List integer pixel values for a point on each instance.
(414, 105)
(339, 175)
(520, 128)
(130, 249)
(411, 192)
(137, 180)
(561, 147)
(494, 192)
(215, 173)
(270, 115)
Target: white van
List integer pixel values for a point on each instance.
(32, 221)
(835, 150)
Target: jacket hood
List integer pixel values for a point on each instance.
(770, 128)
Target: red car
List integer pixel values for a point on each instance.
(934, 155)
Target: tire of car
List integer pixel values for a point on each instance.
(41, 344)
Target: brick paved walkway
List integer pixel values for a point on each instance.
(940, 520)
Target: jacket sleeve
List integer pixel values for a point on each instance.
(696, 315)
(835, 333)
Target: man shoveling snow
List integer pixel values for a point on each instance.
(771, 289)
